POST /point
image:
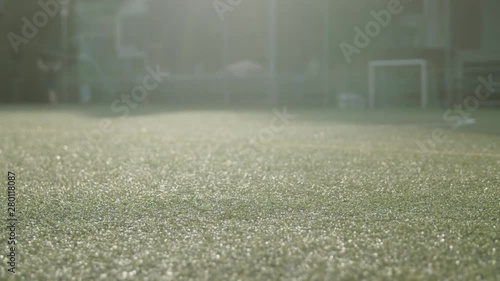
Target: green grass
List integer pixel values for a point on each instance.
(337, 195)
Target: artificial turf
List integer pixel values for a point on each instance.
(179, 195)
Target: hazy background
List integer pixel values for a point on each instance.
(288, 54)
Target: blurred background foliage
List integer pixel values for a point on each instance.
(20, 78)
(187, 36)
(186, 33)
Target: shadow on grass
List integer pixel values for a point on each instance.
(106, 111)
(487, 120)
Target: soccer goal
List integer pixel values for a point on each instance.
(424, 77)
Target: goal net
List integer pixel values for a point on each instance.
(398, 83)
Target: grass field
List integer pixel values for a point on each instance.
(180, 195)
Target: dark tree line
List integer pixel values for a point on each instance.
(28, 31)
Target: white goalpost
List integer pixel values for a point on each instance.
(424, 79)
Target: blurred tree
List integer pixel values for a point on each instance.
(29, 29)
